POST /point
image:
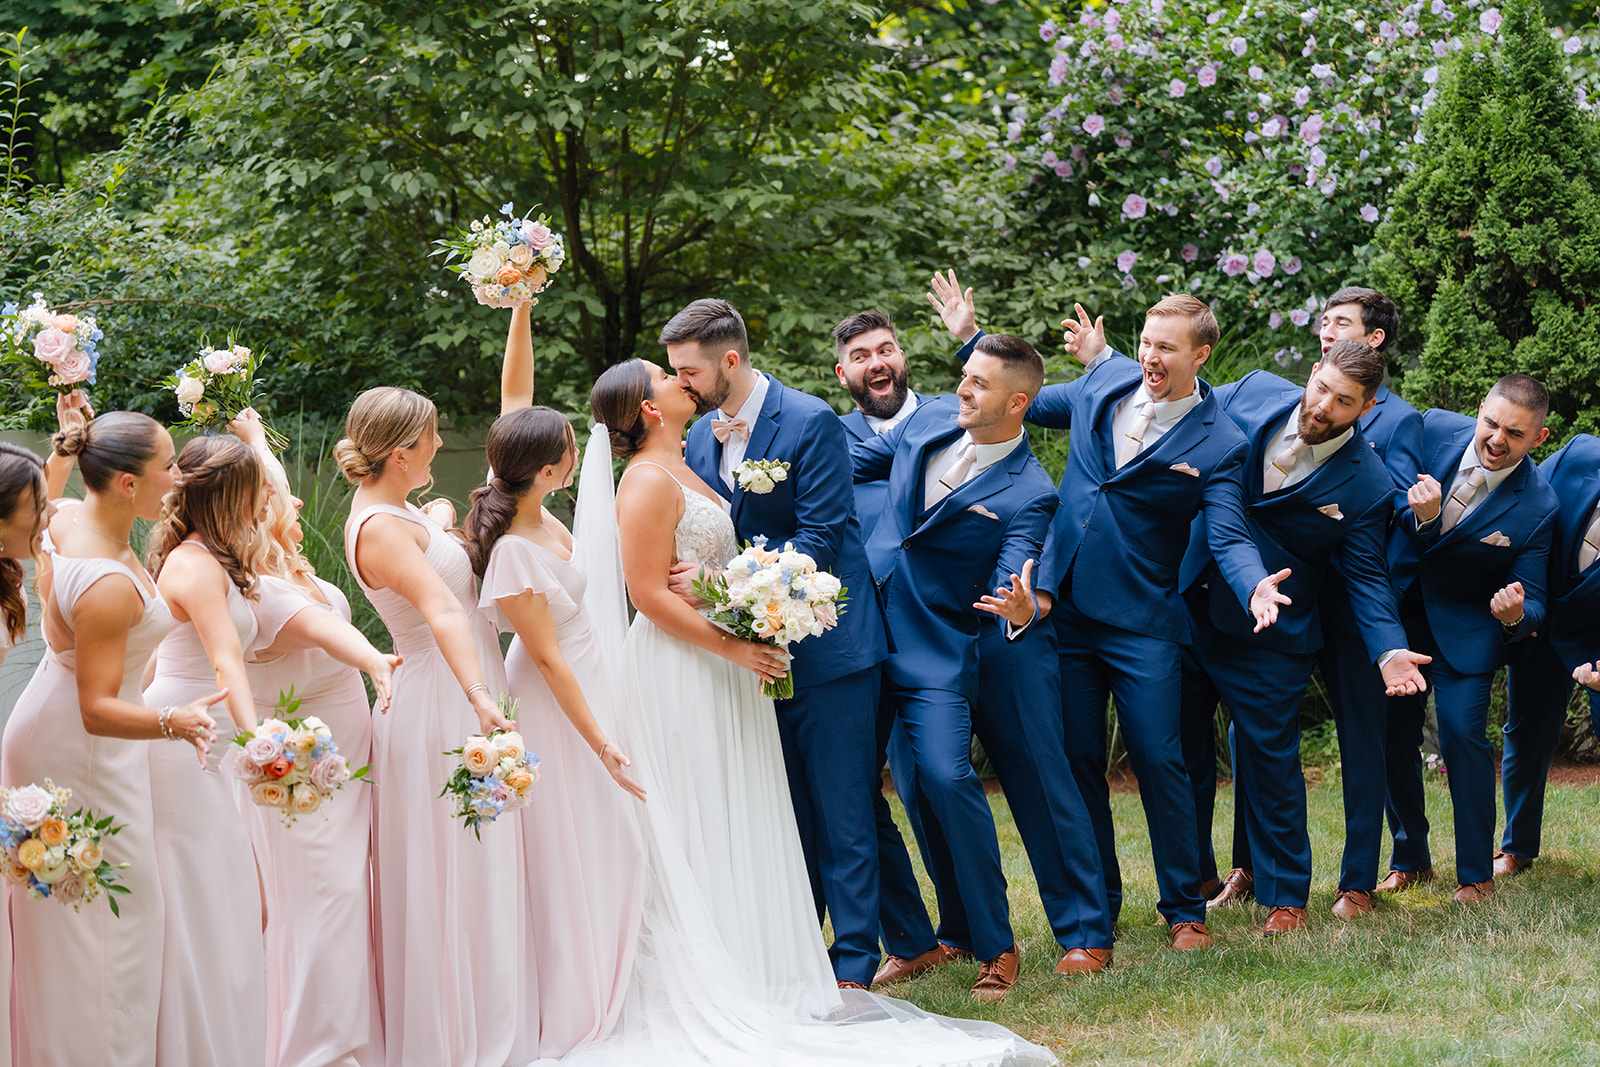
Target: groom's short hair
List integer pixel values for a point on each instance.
(853, 326)
(1023, 364)
(1203, 328)
(712, 324)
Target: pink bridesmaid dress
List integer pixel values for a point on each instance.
(213, 973)
(322, 998)
(448, 905)
(86, 984)
(581, 833)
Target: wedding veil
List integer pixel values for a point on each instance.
(594, 528)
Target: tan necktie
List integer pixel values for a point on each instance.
(1282, 464)
(952, 478)
(1133, 440)
(726, 428)
(888, 424)
(1589, 551)
(1461, 499)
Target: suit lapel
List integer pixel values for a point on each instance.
(1483, 518)
(1191, 431)
(995, 479)
(855, 424)
(761, 435)
(1264, 438)
(1577, 524)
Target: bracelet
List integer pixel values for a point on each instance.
(603, 748)
(474, 688)
(163, 720)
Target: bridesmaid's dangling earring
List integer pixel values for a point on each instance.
(661, 420)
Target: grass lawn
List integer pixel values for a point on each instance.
(1421, 980)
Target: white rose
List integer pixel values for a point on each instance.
(56, 866)
(484, 264)
(779, 474)
(305, 799)
(190, 390)
(510, 745)
(29, 805)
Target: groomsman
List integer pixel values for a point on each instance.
(1151, 449)
(1543, 666)
(966, 510)
(1355, 687)
(828, 727)
(1015, 717)
(1314, 495)
(1470, 564)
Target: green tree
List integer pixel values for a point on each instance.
(1497, 231)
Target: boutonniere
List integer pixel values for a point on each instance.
(760, 475)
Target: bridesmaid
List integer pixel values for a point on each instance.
(449, 920)
(205, 555)
(584, 899)
(322, 1003)
(94, 980)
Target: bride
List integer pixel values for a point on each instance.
(730, 966)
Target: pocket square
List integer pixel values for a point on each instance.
(1497, 539)
(985, 512)
(1332, 511)
(1184, 468)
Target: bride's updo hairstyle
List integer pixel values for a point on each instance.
(216, 495)
(521, 443)
(19, 469)
(380, 421)
(118, 442)
(615, 401)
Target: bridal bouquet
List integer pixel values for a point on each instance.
(775, 597)
(50, 853)
(292, 764)
(506, 263)
(215, 386)
(495, 776)
(54, 352)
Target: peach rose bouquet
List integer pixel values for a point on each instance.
(52, 351)
(495, 774)
(508, 262)
(216, 385)
(50, 854)
(292, 764)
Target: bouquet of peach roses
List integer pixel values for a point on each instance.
(496, 774)
(50, 853)
(292, 764)
(506, 263)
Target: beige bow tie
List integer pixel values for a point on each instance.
(726, 428)
(1461, 499)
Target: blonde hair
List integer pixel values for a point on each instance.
(1203, 328)
(280, 556)
(215, 494)
(380, 421)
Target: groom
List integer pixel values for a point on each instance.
(829, 726)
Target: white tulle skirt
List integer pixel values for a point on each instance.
(731, 967)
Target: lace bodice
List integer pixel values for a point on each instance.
(705, 533)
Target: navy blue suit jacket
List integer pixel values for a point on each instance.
(1458, 572)
(869, 495)
(1574, 617)
(1293, 528)
(814, 509)
(931, 567)
(1127, 528)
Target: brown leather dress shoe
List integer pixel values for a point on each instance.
(1352, 903)
(1508, 863)
(1475, 892)
(897, 968)
(852, 985)
(1237, 886)
(1084, 961)
(1186, 937)
(1284, 919)
(998, 975)
(1209, 887)
(1399, 880)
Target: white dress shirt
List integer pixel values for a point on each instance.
(1168, 413)
(1492, 480)
(878, 425)
(987, 456)
(1310, 458)
(733, 448)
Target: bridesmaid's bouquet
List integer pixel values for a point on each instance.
(292, 764)
(506, 263)
(53, 352)
(215, 386)
(775, 597)
(496, 774)
(50, 853)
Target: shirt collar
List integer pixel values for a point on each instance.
(1167, 412)
(1492, 480)
(750, 410)
(876, 424)
(1320, 453)
(988, 455)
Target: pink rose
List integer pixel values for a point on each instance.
(536, 234)
(219, 361)
(262, 750)
(29, 805)
(52, 345)
(71, 889)
(72, 367)
(249, 772)
(329, 773)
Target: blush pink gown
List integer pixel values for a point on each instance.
(322, 999)
(448, 905)
(581, 836)
(213, 973)
(89, 981)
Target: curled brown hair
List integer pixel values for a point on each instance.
(520, 444)
(19, 469)
(380, 421)
(615, 401)
(216, 494)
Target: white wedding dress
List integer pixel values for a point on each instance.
(731, 968)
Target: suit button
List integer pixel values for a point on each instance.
(1085, 524)
(905, 544)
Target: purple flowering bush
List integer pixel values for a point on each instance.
(1245, 153)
